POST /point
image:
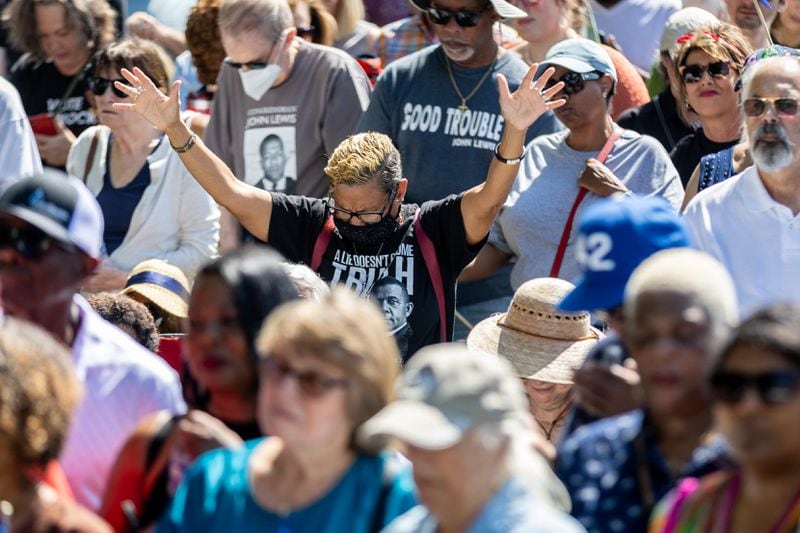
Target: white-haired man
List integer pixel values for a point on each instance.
(750, 222)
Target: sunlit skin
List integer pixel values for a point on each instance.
(786, 27)
(467, 47)
(584, 109)
(64, 45)
(368, 197)
(712, 97)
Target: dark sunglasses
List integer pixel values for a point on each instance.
(251, 65)
(755, 107)
(29, 242)
(99, 85)
(694, 73)
(465, 19)
(573, 81)
(772, 387)
(312, 384)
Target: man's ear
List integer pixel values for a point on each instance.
(607, 83)
(402, 186)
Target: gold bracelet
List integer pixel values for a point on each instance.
(186, 147)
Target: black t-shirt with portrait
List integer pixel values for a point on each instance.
(41, 87)
(297, 222)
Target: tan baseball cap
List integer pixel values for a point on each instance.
(444, 391)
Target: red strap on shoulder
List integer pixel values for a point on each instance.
(432, 264)
(321, 244)
(582, 192)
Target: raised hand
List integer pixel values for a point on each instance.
(531, 100)
(160, 110)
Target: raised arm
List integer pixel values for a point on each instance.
(250, 205)
(481, 203)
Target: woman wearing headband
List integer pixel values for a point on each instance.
(710, 63)
(151, 205)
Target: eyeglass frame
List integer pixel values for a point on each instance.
(592, 75)
(45, 244)
(96, 82)
(770, 103)
(332, 209)
(465, 18)
(311, 384)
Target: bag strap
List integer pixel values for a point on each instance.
(432, 264)
(321, 244)
(582, 192)
(87, 167)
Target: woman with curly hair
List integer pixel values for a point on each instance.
(58, 38)
(38, 394)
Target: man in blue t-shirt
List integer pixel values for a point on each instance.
(440, 107)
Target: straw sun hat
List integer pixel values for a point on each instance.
(162, 283)
(540, 341)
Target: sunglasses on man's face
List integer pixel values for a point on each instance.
(755, 107)
(573, 81)
(29, 242)
(99, 85)
(465, 19)
(250, 65)
(694, 73)
(773, 388)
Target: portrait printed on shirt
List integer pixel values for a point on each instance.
(270, 158)
(392, 298)
(387, 280)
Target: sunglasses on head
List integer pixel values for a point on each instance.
(29, 242)
(755, 107)
(311, 384)
(465, 19)
(773, 388)
(694, 73)
(573, 81)
(99, 85)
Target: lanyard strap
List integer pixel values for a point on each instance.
(562, 245)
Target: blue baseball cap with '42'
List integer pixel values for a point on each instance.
(614, 236)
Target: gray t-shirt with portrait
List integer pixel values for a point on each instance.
(310, 113)
(530, 225)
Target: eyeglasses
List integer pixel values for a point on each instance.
(755, 107)
(366, 217)
(99, 85)
(773, 388)
(573, 81)
(29, 242)
(312, 384)
(251, 65)
(465, 19)
(694, 73)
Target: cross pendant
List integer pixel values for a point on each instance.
(463, 107)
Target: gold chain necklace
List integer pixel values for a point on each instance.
(463, 106)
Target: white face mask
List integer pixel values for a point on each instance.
(256, 82)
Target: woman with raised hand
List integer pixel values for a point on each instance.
(364, 231)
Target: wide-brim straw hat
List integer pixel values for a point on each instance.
(162, 283)
(540, 341)
(503, 8)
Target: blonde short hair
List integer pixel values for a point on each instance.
(269, 18)
(38, 392)
(347, 332)
(724, 42)
(364, 158)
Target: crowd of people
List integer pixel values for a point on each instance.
(403, 266)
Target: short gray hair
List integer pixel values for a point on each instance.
(308, 284)
(266, 17)
(693, 273)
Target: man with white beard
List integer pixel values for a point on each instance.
(750, 222)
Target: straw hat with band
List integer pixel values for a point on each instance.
(540, 341)
(504, 9)
(162, 283)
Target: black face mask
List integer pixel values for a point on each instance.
(367, 236)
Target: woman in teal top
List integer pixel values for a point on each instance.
(325, 367)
